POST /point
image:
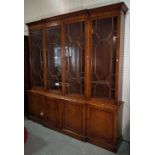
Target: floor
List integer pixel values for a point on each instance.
(43, 141)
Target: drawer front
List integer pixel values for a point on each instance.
(101, 124)
(74, 117)
(35, 105)
(52, 112)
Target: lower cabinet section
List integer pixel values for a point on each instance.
(95, 123)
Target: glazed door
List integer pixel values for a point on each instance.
(53, 58)
(103, 58)
(74, 47)
(36, 59)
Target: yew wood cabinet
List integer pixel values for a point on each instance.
(76, 64)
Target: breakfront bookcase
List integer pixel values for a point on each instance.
(76, 64)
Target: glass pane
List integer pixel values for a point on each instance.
(36, 59)
(53, 46)
(104, 58)
(75, 58)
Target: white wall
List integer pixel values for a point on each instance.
(39, 9)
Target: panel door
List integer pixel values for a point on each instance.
(100, 124)
(74, 36)
(52, 112)
(53, 58)
(35, 105)
(103, 57)
(36, 59)
(74, 117)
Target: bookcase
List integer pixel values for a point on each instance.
(76, 69)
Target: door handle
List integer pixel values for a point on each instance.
(41, 113)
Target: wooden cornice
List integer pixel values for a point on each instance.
(117, 6)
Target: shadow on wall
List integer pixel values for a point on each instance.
(126, 122)
(127, 131)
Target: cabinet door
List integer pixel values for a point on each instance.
(101, 125)
(35, 105)
(53, 58)
(75, 58)
(74, 118)
(103, 57)
(52, 112)
(36, 58)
